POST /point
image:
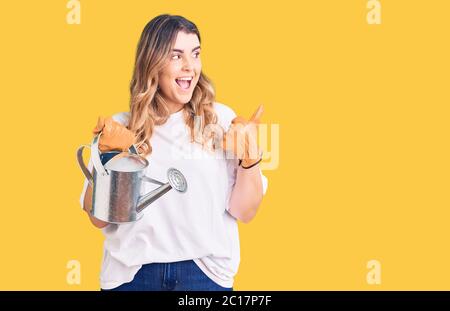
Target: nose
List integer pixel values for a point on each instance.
(188, 64)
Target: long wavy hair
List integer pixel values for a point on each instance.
(147, 105)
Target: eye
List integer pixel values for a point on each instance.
(197, 54)
(174, 56)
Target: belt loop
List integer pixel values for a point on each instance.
(170, 277)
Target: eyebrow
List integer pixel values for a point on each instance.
(181, 51)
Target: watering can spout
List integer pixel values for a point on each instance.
(152, 196)
(176, 181)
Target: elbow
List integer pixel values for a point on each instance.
(97, 222)
(243, 215)
(244, 209)
(100, 225)
(249, 214)
(247, 219)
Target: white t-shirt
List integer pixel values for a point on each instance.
(179, 226)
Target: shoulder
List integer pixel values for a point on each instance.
(225, 114)
(122, 118)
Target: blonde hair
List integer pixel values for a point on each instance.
(147, 106)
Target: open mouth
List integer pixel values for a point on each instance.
(184, 82)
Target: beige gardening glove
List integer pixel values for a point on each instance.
(242, 138)
(114, 135)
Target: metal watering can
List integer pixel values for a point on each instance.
(117, 183)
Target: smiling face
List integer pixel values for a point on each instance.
(177, 80)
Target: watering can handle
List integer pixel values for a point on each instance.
(95, 157)
(95, 160)
(133, 149)
(83, 166)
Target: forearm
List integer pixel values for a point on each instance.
(87, 206)
(247, 194)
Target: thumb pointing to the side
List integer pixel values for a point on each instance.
(256, 117)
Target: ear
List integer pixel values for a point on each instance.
(256, 117)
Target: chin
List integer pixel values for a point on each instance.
(184, 100)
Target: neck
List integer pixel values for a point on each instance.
(173, 108)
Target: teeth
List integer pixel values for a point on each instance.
(185, 78)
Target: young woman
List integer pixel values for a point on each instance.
(184, 241)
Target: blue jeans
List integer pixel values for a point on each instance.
(172, 276)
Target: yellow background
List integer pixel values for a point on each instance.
(363, 113)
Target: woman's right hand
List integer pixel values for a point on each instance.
(114, 136)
